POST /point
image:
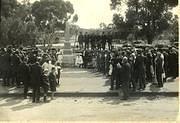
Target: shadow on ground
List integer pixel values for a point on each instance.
(10, 101)
(130, 101)
(19, 103)
(154, 88)
(26, 106)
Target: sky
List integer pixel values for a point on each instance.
(92, 12)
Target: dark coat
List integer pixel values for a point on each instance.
(24, 73)
(149, 63)
(32, 59)
(80, 38)
(109, 39)
(159, 66)
(35, 74)
(86, 38)
(103, 39)
(139, 66)
(126, 72)
(114, 64)
(6, 62)
(15, 61)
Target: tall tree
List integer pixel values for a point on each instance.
(8, 7)
(52, 11)
(15, 26)
(148, 17)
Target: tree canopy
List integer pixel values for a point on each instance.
(57, 11)
(144, 18)
(22, 23)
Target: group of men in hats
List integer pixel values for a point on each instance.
(33, 68)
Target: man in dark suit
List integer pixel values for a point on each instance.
(103, 41)
(173, 63)
(24, 76)
(15, 61)
(85, 58)
(98, 41)
(109, 41)
(36, 78)
(80, 40)
(6, 67)
(92, 41)
(126, 77)
(86, 39)
(139, 68)
(149, 67)
(166, 66)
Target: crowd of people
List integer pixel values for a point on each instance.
(30, 68)
(127, 67)
(133, 68)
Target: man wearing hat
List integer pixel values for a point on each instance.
(6, 67)
(103, 41)
(86, 39)
(125, 78)
(80, 40)
(36, 78)
(24, 76)
(15, 61)
(109, 40)
(139, 68)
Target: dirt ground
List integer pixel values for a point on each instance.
(91, 109)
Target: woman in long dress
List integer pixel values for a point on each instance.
(53, 82)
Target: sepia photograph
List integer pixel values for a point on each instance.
(89, 60)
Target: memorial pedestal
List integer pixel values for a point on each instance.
(68, 57)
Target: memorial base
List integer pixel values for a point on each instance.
(68, 61)
(68, 57)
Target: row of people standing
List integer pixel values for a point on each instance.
(147, 65)
(95, 41)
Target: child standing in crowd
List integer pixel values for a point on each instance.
(53, 82)
(59, 69)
